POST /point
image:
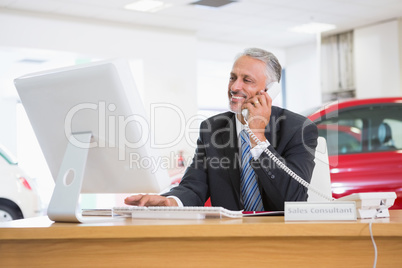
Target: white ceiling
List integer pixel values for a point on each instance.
(260, 22)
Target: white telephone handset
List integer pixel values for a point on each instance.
(273, 90)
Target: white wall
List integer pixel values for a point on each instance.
(303, 77)
(215, 62)
(169, 58)
(8, 120)
(227, 52)
(377, 51)
(168, 62)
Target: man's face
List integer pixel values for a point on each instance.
(247, 78)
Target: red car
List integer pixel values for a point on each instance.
(364, 139)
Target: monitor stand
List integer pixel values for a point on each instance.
(64, 205)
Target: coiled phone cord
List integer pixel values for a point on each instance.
(285, 168)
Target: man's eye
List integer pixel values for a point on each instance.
(232, 78)
(247, 80)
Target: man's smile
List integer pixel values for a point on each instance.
(237, 97)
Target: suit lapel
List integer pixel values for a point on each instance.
(273, 128)
(232, 152)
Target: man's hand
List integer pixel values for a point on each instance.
(150, 200)
(259, 108)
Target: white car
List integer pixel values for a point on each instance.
(19, 197)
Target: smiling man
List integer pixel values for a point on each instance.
(232, 169)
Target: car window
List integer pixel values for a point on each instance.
(343, 136)
(370, 128)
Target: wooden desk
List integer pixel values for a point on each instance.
(248, 242)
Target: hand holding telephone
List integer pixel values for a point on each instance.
(273, 91)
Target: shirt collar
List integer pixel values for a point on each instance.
(239, 126)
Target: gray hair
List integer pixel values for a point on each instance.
(273, 69)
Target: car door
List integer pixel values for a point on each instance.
(365, 149)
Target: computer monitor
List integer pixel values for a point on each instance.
(93, 130)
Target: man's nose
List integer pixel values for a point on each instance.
(237, 85)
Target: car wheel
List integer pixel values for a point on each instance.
(8, 214)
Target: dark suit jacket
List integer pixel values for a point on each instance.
(215, 170)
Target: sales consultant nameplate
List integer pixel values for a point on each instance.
(312, 211)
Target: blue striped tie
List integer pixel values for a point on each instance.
(248, 179)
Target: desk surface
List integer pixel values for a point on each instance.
(261, 226)
(269, 240)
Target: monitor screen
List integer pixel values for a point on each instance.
(100, 98)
